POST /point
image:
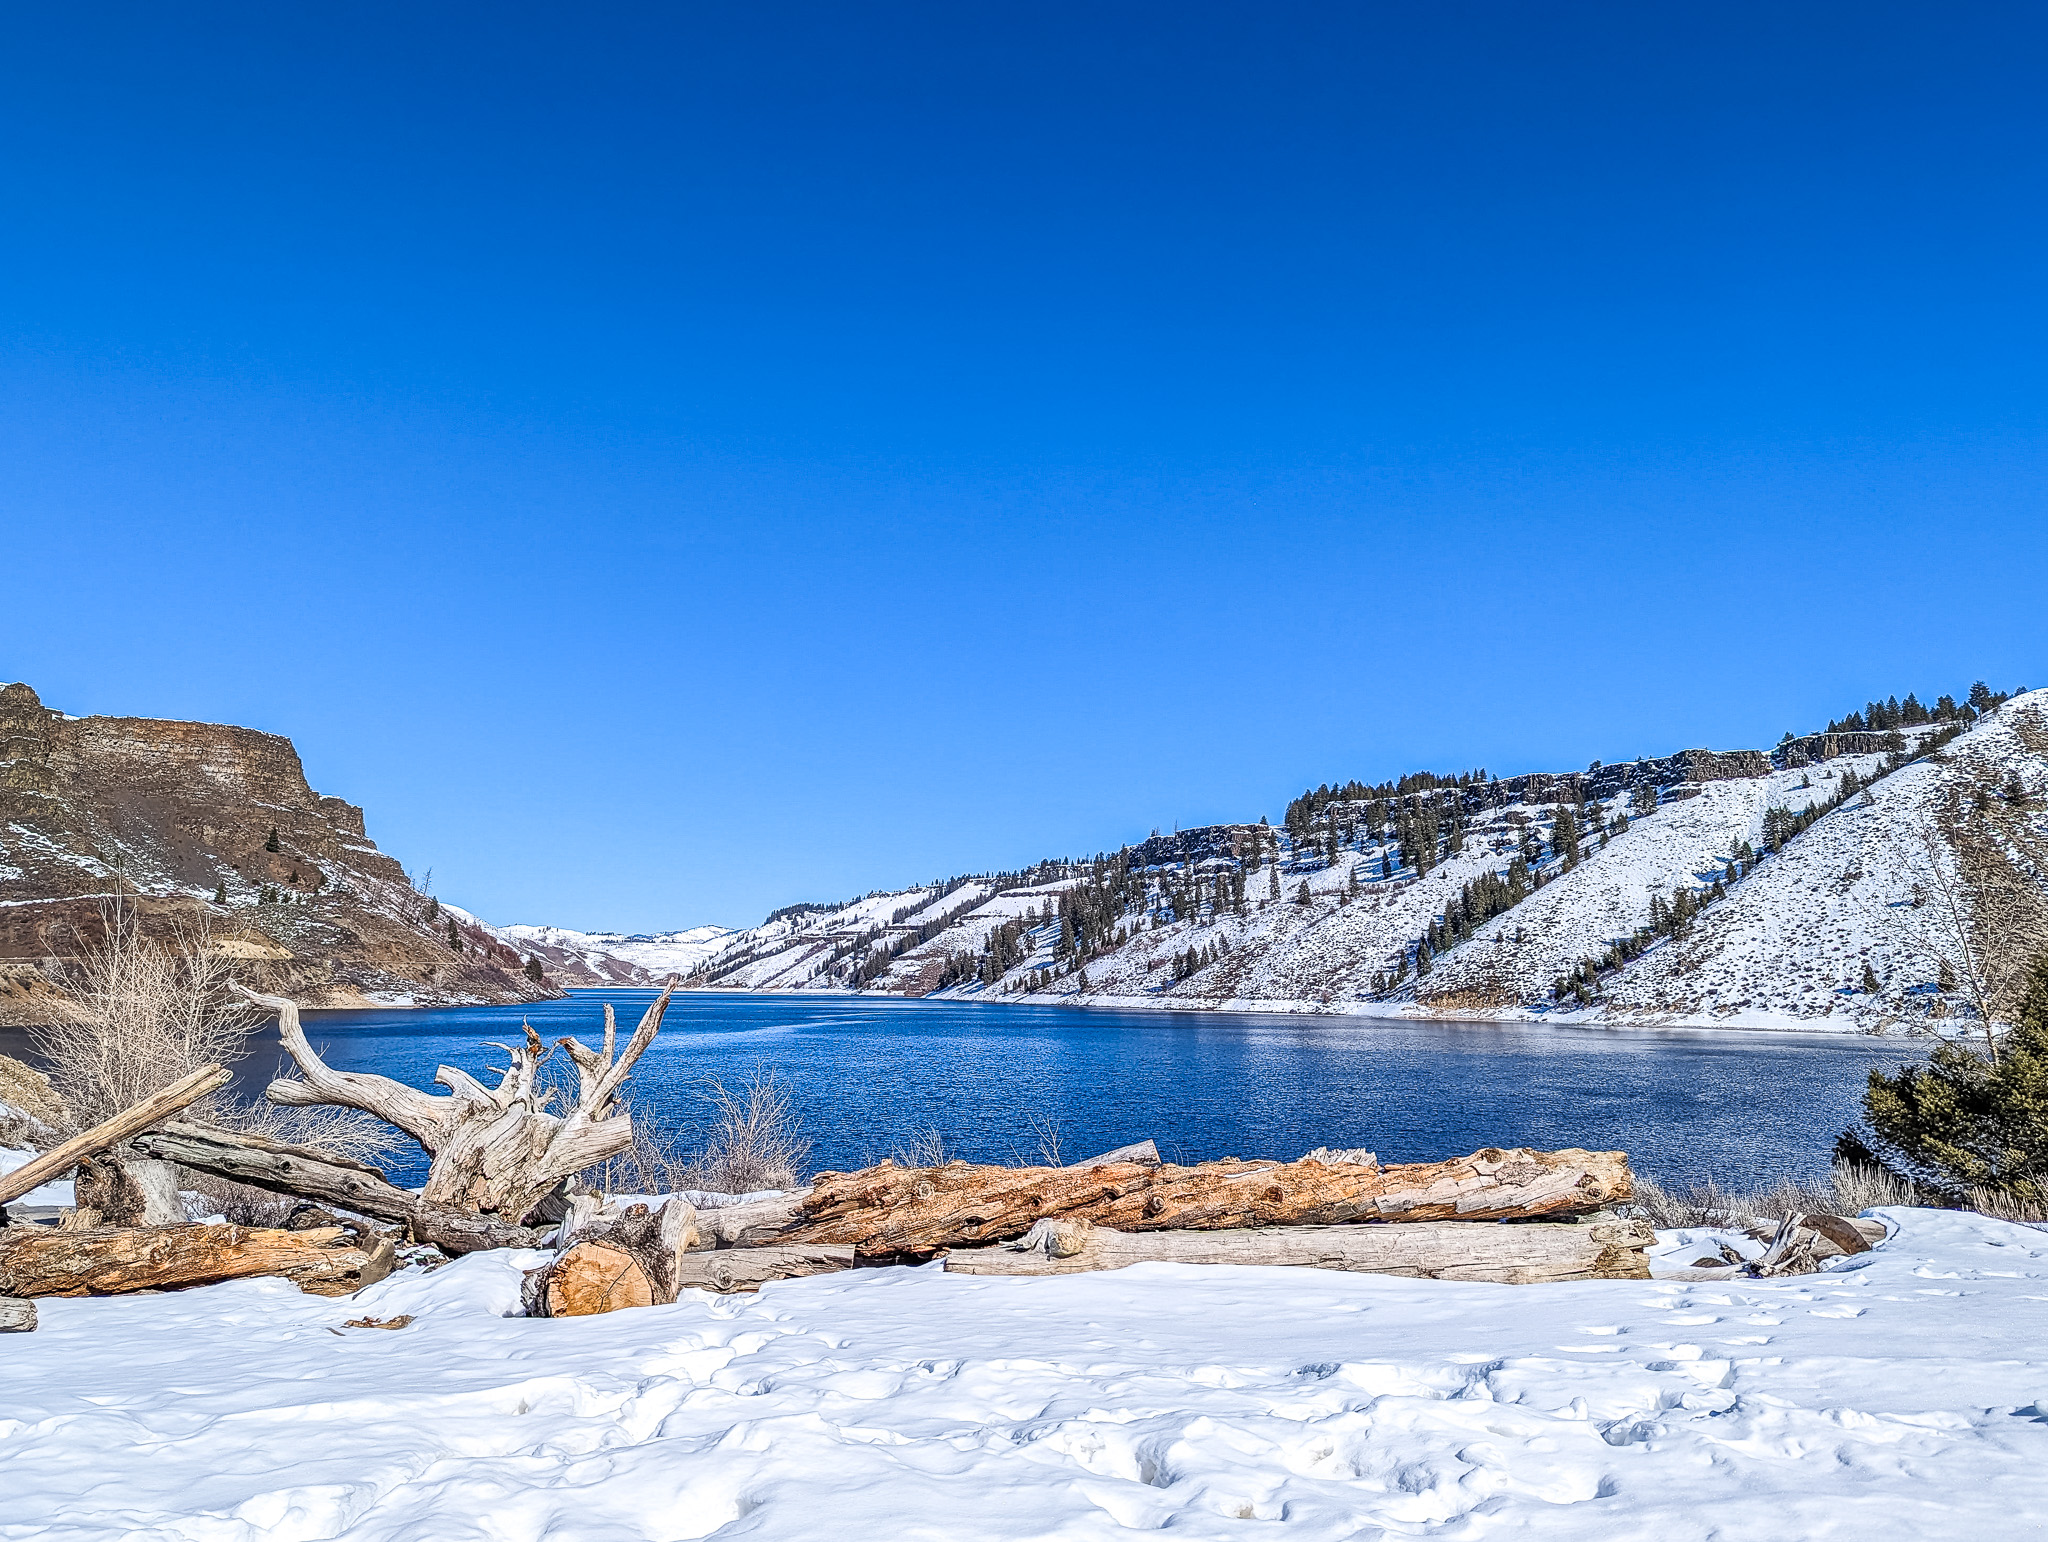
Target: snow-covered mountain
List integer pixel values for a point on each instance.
(615, 958)
(1732, 889)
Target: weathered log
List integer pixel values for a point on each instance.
(752, 1224)
(59, 1160)
(45, 1261)
(17, 1315)
(496, 1151)
(607, 1261)
(1602, 1249)
(749, 1268)
(285, 1169)
(1144, 1151)
(896, 1212)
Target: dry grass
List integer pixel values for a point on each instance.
(1848, 1190)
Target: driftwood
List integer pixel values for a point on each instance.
(47, 1261)
(17, 1315)
(749, 1268)
(895, 1212)
(1606, 1248)
(284, 1169)
(1143, 1151)
(605, 1262)
(497, 1151)
(59, 1160)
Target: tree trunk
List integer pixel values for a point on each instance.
(1602, 1249)
(895, 1212)
(44, 1261)
(59, 1160)
(283, 1169)
(605, 1262)
(497, 1151)
(115, 1189)
(17, 1315)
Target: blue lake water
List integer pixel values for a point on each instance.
(870, 1073)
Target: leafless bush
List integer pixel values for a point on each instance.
(755, 1142)
(1046, 1129)
(18, 1132)
(343, 1132)
(923, 1147)
(145, 1016)
(37, 1111)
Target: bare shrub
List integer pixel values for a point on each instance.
(1046, 1129)
(145, 1016)
(923, 1147)
(756, 1142)
(342, 1132)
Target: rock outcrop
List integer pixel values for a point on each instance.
(213, 828)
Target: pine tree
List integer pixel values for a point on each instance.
(533, 969)
(1301, 896)
(454, 935)
(1870, 980)
(271, 844)
(220, 893)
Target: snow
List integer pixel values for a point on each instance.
(656, 953)
(55, 1192)
(1901, 1394)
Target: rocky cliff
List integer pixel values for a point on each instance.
(213, 829)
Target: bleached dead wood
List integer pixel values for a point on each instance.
(47, 1261)
(1144, 1151)
(754, 1223)
(294, 1170)
(59, 1160)
(496, 1151)
(17, 1315)
(749, 1268)
(1600, 1249)
(893, 1212)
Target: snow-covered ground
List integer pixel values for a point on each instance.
(1900, 1394)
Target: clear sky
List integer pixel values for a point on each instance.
(670, 461)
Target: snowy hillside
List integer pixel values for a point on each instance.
(1733, 889)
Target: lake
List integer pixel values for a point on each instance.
(869, 1074)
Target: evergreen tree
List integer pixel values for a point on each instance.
(1643, 800)
(1871, 983)
(1301, 896)
(271, 844)
(220, 893)
(1960, 1120)
(454, 935)
(533, 969)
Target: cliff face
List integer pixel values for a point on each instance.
(179, 813)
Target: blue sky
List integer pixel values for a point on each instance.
(667, 462)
